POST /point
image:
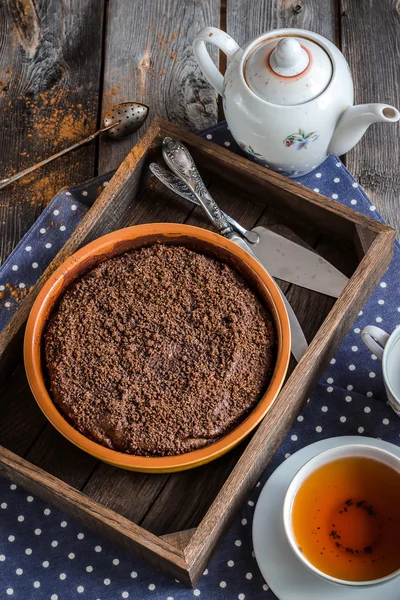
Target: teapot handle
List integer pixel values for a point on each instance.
(224, 42)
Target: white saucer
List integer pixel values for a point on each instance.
(287, 577)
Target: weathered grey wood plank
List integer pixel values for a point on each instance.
(370, 34)
(133, 493)
(149, 59)
(21, 420)
(57, 456)
(246, 19)
(170, 512)
(50, 55)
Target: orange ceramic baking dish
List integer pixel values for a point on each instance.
(116, 243)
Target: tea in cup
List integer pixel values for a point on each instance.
(387, 348)
(341, 515)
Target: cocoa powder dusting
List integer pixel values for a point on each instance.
(60, 125)
(51, 124)
(159, 351)
(17, 293)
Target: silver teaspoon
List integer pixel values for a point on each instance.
(179, 187)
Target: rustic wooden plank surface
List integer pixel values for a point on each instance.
(246, 20)
(21, 420)
(50, 60)
(370, 36)
(149, 59)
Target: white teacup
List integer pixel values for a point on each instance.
(387, 348)
(344, 451)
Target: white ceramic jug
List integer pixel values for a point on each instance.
(288, 97)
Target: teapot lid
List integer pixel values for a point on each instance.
(288, 70)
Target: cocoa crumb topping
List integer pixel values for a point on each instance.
(159, 351)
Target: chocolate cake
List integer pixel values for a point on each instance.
(159, 351)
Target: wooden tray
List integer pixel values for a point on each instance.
(174, 521)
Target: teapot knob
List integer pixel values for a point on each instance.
(289, 58)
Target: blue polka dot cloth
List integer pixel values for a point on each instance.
(45, 555)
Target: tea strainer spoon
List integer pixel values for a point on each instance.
(119, 121)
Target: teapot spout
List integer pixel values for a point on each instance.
(354, 122)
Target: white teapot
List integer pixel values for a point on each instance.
(288, 97)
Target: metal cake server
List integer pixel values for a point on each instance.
(291, 262)
(180, 161)
(282, 257)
